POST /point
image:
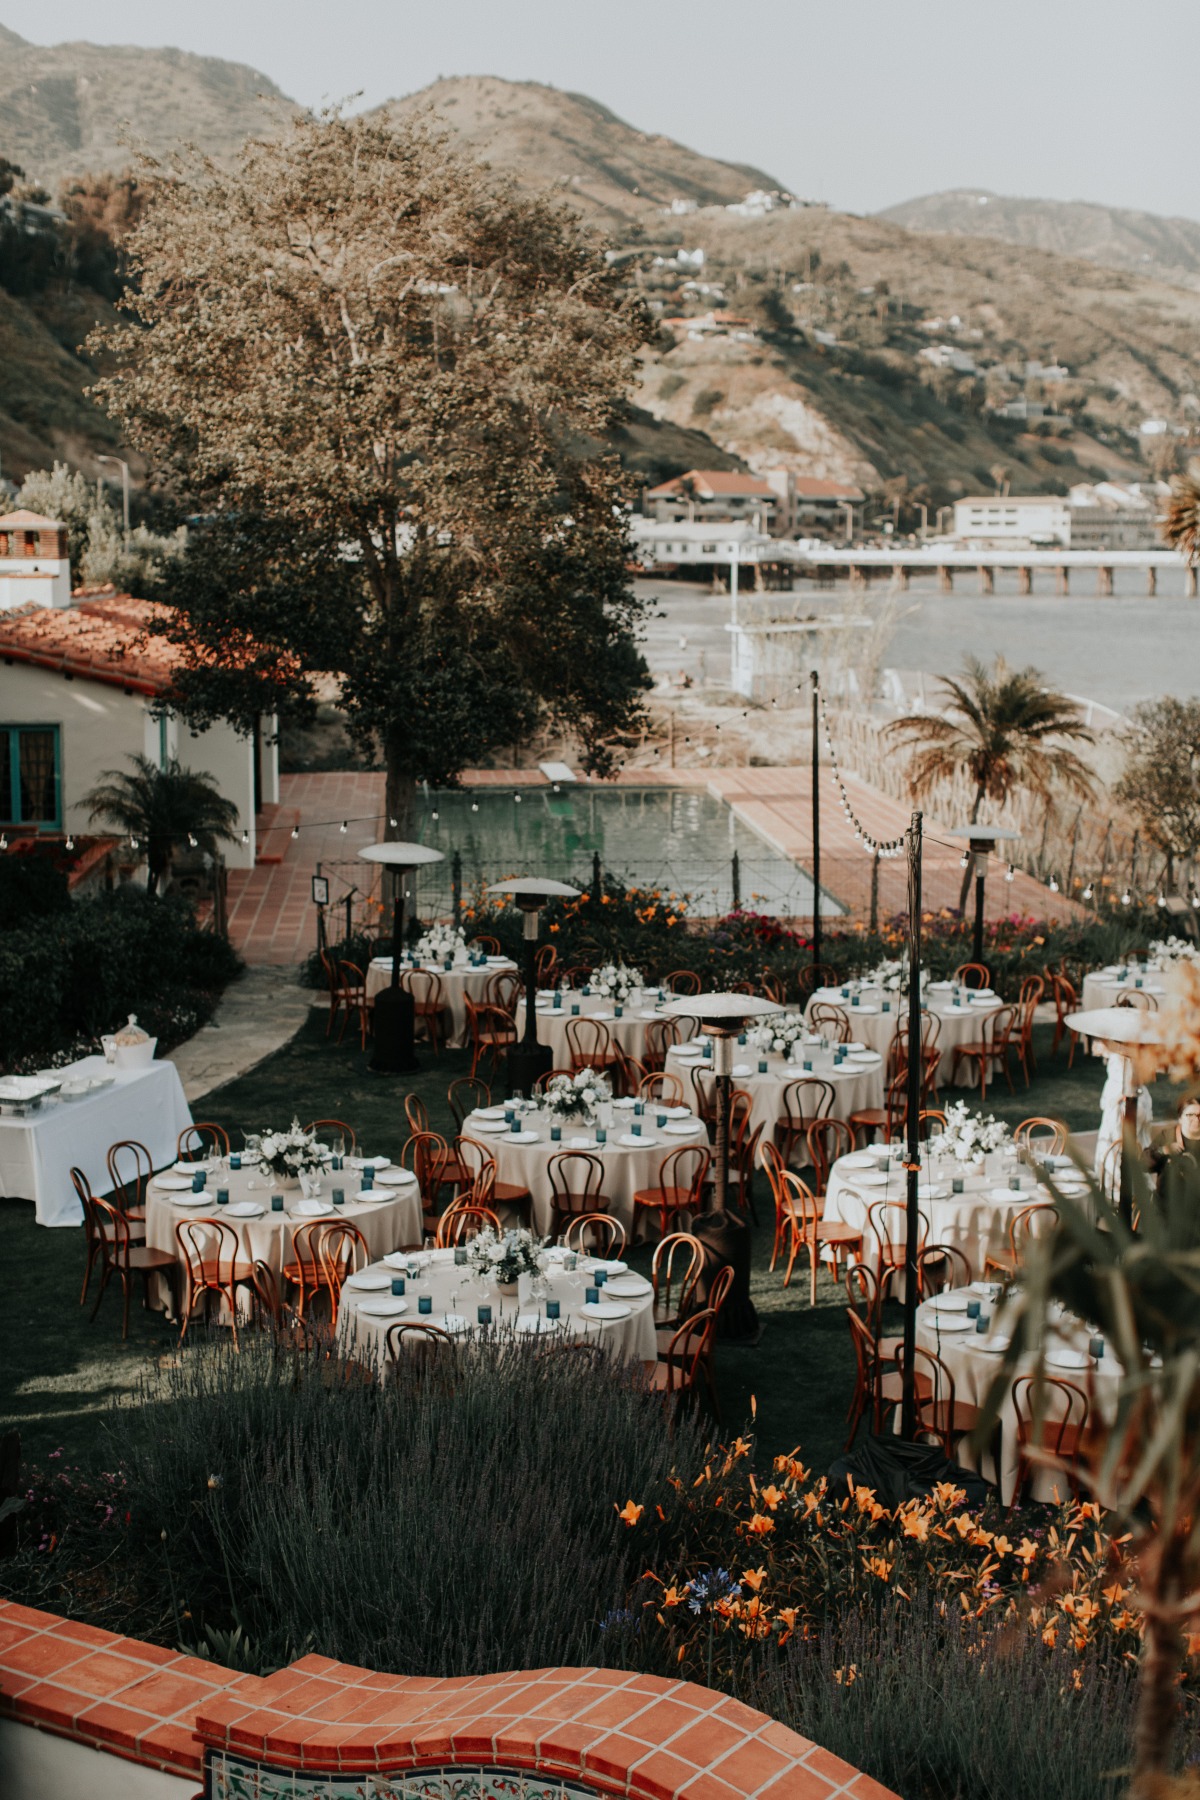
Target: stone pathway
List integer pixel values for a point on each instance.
(257, 1015)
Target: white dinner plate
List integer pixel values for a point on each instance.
(372, 1196)
(183, 1167)
(950, 1303)
(870, 1178)
(628, 1287)
(244, 1209)
(491, 1126)
(499, 962)
(927, 1190)
(368, 1162)
(489, 1112)
(625, 1104)
(391, 1308)
(400, 1259)
(1065, 1358)
(605, 1309)
(454, 1323)
(993, 1346)
(953, 1322)
(857, 1159)
(582, 1142)
(682, 1128)
(370, 1281)
(190, 1199)
(530, 1324)
(312, 1209)
(630, 1142)
(174, 1184)
(677, 1112)
(741, 1069)
(395, 1178)
(1013, 1196)
(609, 1265)
(864, 1059)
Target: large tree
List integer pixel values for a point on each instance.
(1161, 778)
(384, 379)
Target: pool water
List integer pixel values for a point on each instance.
(678, 839)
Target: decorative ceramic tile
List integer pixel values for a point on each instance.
(230, 1778)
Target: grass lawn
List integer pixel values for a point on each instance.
(61, 1371)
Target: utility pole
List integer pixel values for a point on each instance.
(908, 1404)
(816, 816)
(124, 467)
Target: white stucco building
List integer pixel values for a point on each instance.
(80, 686)
(34, 569)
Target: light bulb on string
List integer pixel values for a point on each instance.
(393, 823)
(70, 843)
(3, 840)
(192, 840)
(1088, 891)
(435, 815)
(343, 828)
(1162, 901)
(133, 843)
(1011, 873)
(1126, 898)
(965, 860)
(295, 832)
(245, 835)
(474, 806)
(1052, 884)
(516, 799)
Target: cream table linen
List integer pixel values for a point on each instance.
(869, 1024)
(629, 1031)
(631, 1339)
(37, 1153)
(626, 1169)
(853, 1088)
(458, 985)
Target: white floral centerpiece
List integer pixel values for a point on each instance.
(578, 1096)
(291, 1155)
(969, 1136)
(891, 974)
(778, 1033)
(616, 981)
(505, 1258)
(439, 942)
(1167, 952)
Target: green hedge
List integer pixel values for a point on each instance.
(68, 977)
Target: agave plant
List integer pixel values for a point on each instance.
(161, 809)
(1141, 1288)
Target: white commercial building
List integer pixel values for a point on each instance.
(1106, 515)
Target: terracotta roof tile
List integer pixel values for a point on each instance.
(102, 639)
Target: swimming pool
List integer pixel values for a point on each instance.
(680, 839)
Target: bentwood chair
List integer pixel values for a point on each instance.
(465, 1096)
(589, 1043)
(1028, 1222)
(503, 991)
(682, 981)
(302, 1265)
(876, 1376)
(489, 945)
(887, 1225)
(1057, 1439)
(973, 975)
(989, 1051)
(941, 1267)
(814, 976)
(808, 1231)
(352, 984)
(681, 1178)
(661, 1034)
(666, 1089)
(462, 1222)
(130, 1167)
(576, 1187)
(675, 1273)
(335, 1134)
(492, 1033)
(941, 1415)
(804, 1100)
(1041, 1136)
(828, 1139)
(429, 1157)
(342, 1250)
(120, 1256)
(430, 1003)
(830, 1021)
(202, 1140)
(677, 1374)
(595, 1234)
(213, 1264)
(479, 1166)
(545, 965)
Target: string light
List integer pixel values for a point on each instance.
(1162, 901)
(193, 842)
(517, 799)
(474, 806)
(245, 834)
(343, 827)
(133, 843)
(394, 823)
(295, 832)
(876, 847)
(1088, 891)
(3, 840)
(1126, 898)
(70, 845)
(964, 861)
(435, 815)
(1010, 873)
(1053, 884)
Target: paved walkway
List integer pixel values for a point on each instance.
(257, 1015)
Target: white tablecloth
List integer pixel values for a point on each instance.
(1104, 987)
(626, 1170)
(37, 1153)
(854, 1088)
(975, 1221)
(629, 1030)
(458, 984)
(451, 1288)
(869, 1024)
(974, 1370)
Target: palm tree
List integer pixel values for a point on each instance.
(1180, 521)
(160, 809)
(1003, 729)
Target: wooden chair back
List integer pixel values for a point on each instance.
(589, 1042)
(488, 944)
(202, 1140)
(504, 990)
(1063, 1417)
(342, 1250)
(1042, 1136)
(683, 1171)
(463, 1221)
(595, 1234)
(814, 976)
(576, 1181)
(973, 975)
(827, 1138)
(864, 1291)
(465, 1096)
(941, 1267)
(831, 1021)
(417, 1113)
(675, 1271)
(887, 1222)
(683, 1363)
(130, 1167)
(336, 1134)
(545, 963)
(666, 1089)
(682, 981)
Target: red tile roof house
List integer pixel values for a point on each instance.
(85, 1712)
(712, 494)
(78, 684)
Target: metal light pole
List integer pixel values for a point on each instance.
(981, 841)
(816, 816)
(529, 1060)
(908, 1406)
(124, 467)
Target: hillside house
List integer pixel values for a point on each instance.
(81, 686)
(722, 494)
(812, 507)
(34, 568)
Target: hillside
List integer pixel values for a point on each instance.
(546, 138)
(1119, 237)
(67, 108)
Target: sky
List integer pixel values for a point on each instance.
(860, 105)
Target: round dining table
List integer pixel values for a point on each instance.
(857, 1080)
(971, 1349)
(463, 981)
(1104, 987)
(389, 1215)
(961, 1014)
(632, 1155)
(556, 1009)
(622, 1324)
(975, 1220)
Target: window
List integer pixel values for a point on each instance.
(30, 775)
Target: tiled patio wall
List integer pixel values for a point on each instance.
(321, 1730)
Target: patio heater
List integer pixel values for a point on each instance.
(981, 840)
(1131, 1034)
(529, 1060)
(394, 1019)
(724, 1234)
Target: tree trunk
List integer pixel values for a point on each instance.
(969, 871)
(1158, 1682)
(400, 805)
